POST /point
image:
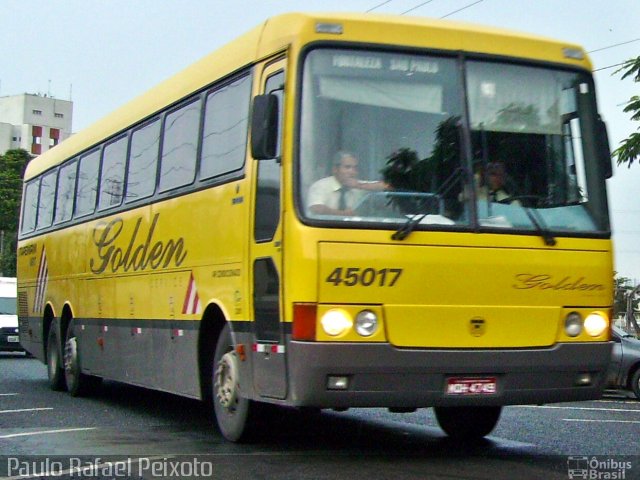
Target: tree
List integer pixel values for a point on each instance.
(623, 286)
(629, 149)
(12, 165)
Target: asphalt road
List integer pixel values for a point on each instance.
(129, 432)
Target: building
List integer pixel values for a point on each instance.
(34, 123)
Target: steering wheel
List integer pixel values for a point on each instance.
(536, 200)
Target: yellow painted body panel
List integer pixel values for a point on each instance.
(138, 264)
(468, 275)
(451, 327)
(521, 289)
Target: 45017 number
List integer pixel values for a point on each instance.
(350, 277)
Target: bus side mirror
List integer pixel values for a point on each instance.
(604, 151)
(264, 127)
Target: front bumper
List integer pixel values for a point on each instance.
(381, 375)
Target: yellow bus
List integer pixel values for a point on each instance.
(334, 211)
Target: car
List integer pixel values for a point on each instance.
(624, 371)
(9, 333)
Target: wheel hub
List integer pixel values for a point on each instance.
(70, 355)
(226, 381)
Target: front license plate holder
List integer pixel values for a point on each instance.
(463, 386)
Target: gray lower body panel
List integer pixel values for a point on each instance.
(159, 355)
(381, 375)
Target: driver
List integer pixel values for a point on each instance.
(341, 192)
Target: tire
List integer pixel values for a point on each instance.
(467, 423)
(232, 411)
(55, 372)
(78, 383)
(635, 383)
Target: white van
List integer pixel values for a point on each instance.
(9, 335)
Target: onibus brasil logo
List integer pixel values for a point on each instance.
(597, 468)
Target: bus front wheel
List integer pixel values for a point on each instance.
(467, 423)
(232, 410)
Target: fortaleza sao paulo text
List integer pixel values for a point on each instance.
(136, 256)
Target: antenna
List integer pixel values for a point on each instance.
(70, 91)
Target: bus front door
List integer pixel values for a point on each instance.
(269, 374)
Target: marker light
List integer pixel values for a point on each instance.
(573, 53)
(336, 321)
(573, 324)
(337, 383)
(332, 28)
(366, 323)
(583, 379)
(595, 324)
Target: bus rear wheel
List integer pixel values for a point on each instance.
(231, 409)
(467, 423)
(55, 372)
(78, 383)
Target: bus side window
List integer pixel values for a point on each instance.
(179, 146)
(143, 161)
(87, 184)
(47, 199)
(66, 189)
(266, 299)
(112, 177)
(225, 129)
(267, 214)
(30, 207)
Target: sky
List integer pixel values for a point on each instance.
(102, 53)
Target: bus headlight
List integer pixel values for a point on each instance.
(573, 324)
(336, 321)
(366, 323)
(595, 324)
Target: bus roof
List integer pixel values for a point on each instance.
(280, 32)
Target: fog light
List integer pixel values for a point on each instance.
(366, 323)
(573, 324)
(336, 321)
(595, 324)
(583, 380)
(337, 383)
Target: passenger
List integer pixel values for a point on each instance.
(494, 189)
(495, 178)
(341, 192)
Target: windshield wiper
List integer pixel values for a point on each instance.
(412, 222)
(536, 220)
(542, 229)
(408, 227)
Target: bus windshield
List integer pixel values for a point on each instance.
(389, 138)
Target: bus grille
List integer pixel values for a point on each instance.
(23, 312)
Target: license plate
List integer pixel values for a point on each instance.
(472, 386)
(13, 339)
